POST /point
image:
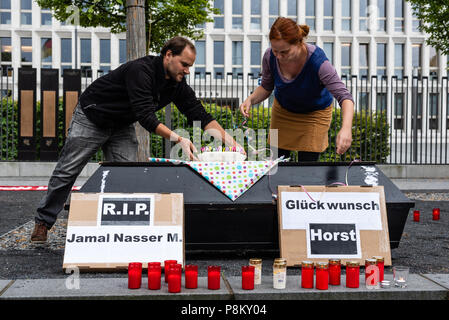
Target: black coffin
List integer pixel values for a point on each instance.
(213, 222)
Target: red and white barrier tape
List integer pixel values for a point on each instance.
(29, 188)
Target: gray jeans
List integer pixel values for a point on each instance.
(84, 139)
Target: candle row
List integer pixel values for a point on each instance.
(435, 214)
(221, 149)
(172, 276)
(330, 273)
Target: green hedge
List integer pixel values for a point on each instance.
(370, 131)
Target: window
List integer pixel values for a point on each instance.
(433, 111)
(328, 48)
(5, 57)
(364, 59)
(256, 11)
(26, 51)
(86, 57)
(310, 14)
(219, 19)
(256, 56)
(399, 60)
(45, 17)
(381, 15)
(25, 12)
(416, 23)
(398, 110)
(433, 62)
(346, 15)
(200, 61)
(5, 11)
(328, 22)
(363, 22)
(346, 59)
(105, 55)
(273, 12)
(292, 9)
(416, 59)
(399, 15)
(219, 59)
(66, 54)
(237, 58)
(381, 59)
(122, 51)
(237, 14)
(46, 52)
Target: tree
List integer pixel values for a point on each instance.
(148, 25)
(434, 16)
(164, 18)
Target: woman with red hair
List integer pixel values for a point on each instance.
(305, 84)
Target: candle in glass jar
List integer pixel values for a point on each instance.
(191, 276)
(371, 274)
(307, 274)
(279, 273)
(380, 263)
(334, 272)
(352, 274)
(436, 214)
(416, 215)
(134, 275)
(248, 277)
(257, 263)
(213, 277)
(174, 278)
(154, 275)
(322, 275)
(167, 263)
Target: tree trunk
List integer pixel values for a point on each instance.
(136, 48)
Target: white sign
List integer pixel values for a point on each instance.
(360, 208)
(111, 244)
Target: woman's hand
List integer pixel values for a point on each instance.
(344, 140)
(244, 108)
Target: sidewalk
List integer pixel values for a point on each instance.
(420, 287)
(53, 284)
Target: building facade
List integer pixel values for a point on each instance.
(360, 37)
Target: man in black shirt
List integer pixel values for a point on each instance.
(106, 112)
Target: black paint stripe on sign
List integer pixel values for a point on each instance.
(333, 239)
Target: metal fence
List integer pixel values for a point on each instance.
(412, 114)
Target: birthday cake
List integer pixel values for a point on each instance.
(227, 154)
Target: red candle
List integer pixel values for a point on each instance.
(322, 275)
(134, 275)
(381, 265)
(334, 272)
(166, 264)
(436, 214)
(248, 277)
(371, 278)
(307, 274)
(154, 275)
(191, 276)
(352, 274)
(416, 215)
(213, 277)
(174, 278)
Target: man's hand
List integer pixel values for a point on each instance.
(187, 148)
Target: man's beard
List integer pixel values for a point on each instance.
(174, 76)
